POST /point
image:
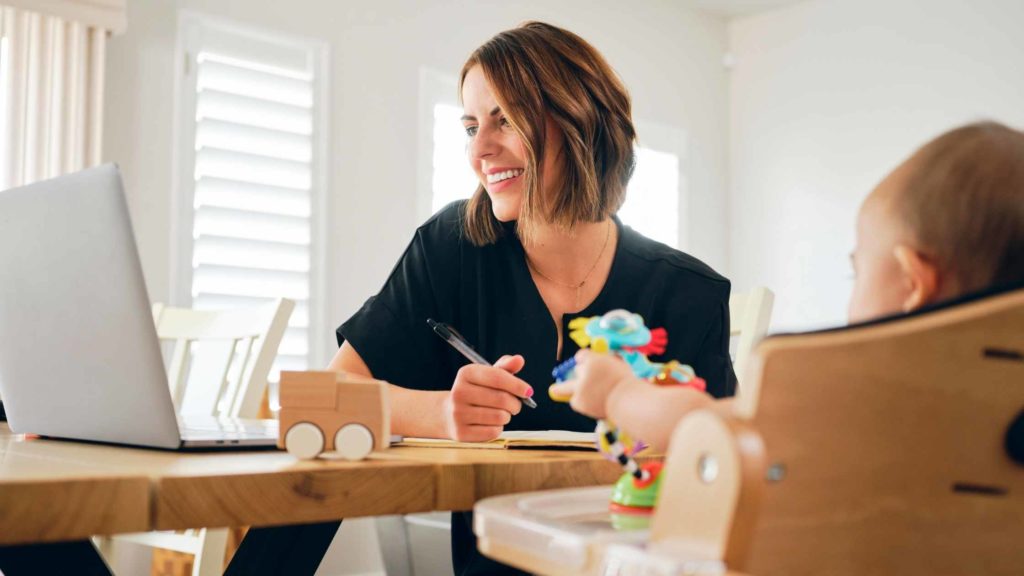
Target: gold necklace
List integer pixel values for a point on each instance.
(576, 287)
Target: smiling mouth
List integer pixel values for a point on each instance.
(502, 176)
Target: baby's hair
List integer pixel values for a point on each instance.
(963, 202)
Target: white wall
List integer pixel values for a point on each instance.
(669, 57)
(826, 97)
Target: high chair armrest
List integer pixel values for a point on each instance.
(713, 478)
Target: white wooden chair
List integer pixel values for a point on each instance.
(219, 367)
(427, 534)
(749, 313)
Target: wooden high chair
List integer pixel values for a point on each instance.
(895, 447)
(876, 449)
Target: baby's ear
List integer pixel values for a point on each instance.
(919, 276)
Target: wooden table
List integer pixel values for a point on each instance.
(53, 490)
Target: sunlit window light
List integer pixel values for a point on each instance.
(453, 179)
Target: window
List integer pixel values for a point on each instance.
(252, 178)
(453, 178)
(654, 200)
(656, 197)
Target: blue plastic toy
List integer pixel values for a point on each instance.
(624, 335)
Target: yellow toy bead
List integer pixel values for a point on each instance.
(556, 397)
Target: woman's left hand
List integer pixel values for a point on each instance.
(596, 376)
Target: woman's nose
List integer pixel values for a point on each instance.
(483, 144)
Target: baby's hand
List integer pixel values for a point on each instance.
(596, 377)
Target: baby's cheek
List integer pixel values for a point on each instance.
(855, 311)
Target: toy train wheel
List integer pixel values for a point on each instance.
(304, 440)
(353, 442)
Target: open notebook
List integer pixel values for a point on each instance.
(515, 439)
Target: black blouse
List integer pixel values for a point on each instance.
(487, 293)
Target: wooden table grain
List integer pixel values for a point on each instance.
(48, 498)
(53, 490)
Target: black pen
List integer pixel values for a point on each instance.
(452, 336)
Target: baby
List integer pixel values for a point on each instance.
(946, 222)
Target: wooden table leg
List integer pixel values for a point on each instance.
(294, 550)
(79, 558)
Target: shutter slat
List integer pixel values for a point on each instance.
(288, 362)
(218, 192)
(248, 51)
(205, 301)
(295, 342)
(253, 112)
(255, 243)
(251, 254)
(227, 280)
(231, 136)
(230, 223)
(222, 77)
(243, 167)
(300, 315)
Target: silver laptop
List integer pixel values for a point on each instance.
(79, 354)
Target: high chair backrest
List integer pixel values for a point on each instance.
(749, 315)
(886, 450)
(222, 358)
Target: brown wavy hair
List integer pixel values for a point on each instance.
(539, 70)
(964, 203)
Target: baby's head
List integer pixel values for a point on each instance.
(946, 222)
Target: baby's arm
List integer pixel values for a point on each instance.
(651, 412)
(605, 387)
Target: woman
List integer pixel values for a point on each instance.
(551, 141)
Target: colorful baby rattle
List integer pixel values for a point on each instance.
(624, 335)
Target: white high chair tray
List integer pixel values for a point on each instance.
(554, 531)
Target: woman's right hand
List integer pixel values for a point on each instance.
(484, 398)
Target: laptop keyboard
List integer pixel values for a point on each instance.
(195, 428)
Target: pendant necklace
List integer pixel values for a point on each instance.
(577, 287)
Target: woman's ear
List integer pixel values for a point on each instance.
(919, 275)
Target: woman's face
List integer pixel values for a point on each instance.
(496, 152)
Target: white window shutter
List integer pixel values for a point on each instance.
(251, 155)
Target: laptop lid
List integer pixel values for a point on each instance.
(79, 355)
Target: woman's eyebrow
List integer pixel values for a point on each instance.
(495, 111)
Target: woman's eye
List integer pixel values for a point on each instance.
(504, 122)
(471, 131)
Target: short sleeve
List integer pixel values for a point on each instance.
(390, 331)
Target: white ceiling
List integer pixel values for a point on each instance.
(733, 8)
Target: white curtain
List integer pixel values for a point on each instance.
(52, 95)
